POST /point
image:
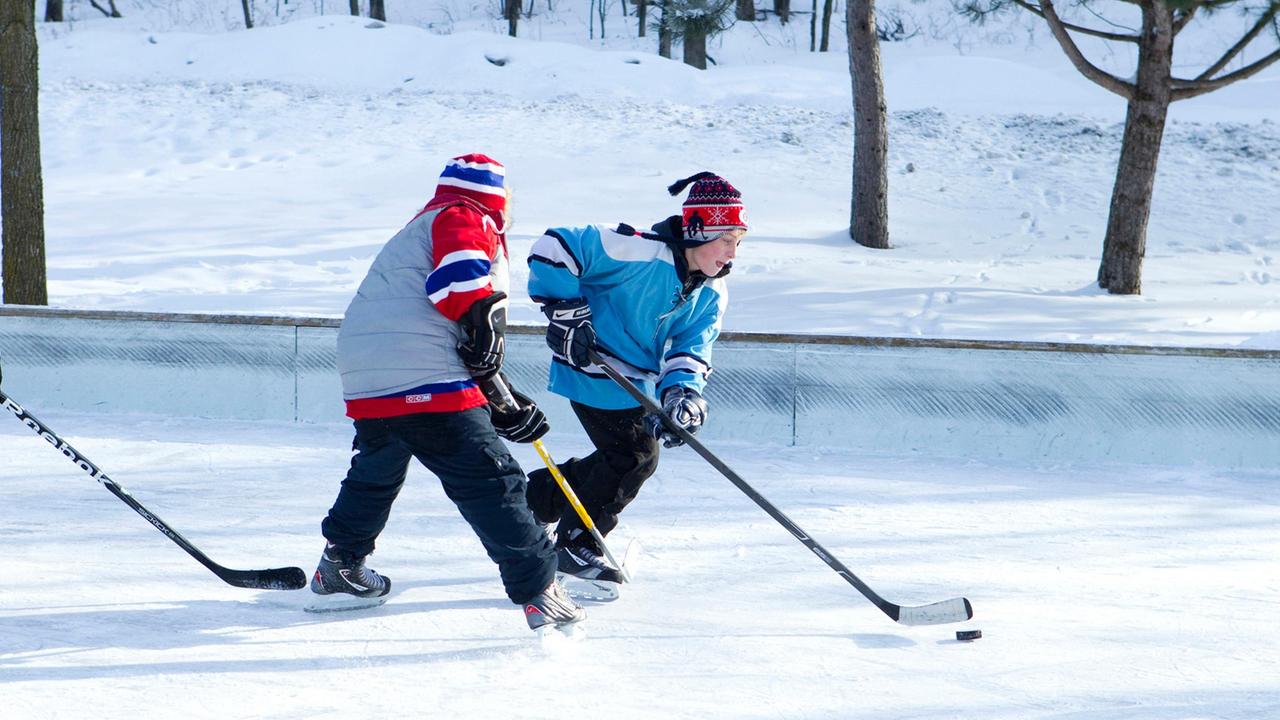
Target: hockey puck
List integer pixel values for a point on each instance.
(968, 635)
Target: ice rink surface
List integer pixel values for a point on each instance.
(1102, 592)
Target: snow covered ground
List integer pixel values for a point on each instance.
(1102, 592)
(258, 172)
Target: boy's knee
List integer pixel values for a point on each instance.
(546, 500)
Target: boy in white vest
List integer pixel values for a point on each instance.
(420, 352)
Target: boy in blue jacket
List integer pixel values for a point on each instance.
(650, 304)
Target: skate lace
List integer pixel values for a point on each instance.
(370, 578)
(589, 556)
(357, 572)
(555, 605)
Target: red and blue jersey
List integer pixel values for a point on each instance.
(396, 346)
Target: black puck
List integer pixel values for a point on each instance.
(968, 635)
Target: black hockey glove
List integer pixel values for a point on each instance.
(483, 328)
(571, 333)
(514, 415)
(524, 424)
(682, 406)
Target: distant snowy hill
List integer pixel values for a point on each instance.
(195, 166)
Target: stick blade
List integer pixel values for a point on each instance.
(939, 613)
(285, 578)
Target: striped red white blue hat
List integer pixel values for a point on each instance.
(478, 177)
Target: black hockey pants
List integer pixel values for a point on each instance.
(478, 474)
(607, 479)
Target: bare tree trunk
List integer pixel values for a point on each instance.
(813, 28)
(782, 8)
(21, 182)
(826, 25)
(378, 10)
(1126, 242)
(248, 14)
(53, 11)
(869, 216)
(511, 9)
(642, 15)
(746, 10)
(664, 32)
(355, 7)
(695, 49)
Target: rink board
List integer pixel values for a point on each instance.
(980, 400)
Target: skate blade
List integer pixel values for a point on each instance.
(631, 558)
(552, 635)
(589, 590)
(341, 602)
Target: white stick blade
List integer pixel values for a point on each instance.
(939, 613)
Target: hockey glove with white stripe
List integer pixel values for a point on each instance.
(483, 327)
(570, 332)
(685, 408)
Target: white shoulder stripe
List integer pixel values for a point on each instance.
(458, 255)
(550, 249)
(685, 362)
(634, 248)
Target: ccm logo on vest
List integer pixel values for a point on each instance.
(417, 398)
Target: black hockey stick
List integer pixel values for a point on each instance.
(285, 578)
(938, 613)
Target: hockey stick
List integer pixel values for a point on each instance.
(938, 613)
(577, 506)
(285, 578)
(509, 403)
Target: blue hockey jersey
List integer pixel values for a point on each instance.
(653, 322)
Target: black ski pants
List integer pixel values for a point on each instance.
(607, 480)
(478, 474)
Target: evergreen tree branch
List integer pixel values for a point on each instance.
(1038, 10)
(1184, 17)
(1077, 58)
(1263, 21)
(1183, 89)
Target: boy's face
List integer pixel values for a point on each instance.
(711, 256)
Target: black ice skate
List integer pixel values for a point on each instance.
(553, 609)
(343, 582)
(587, 575)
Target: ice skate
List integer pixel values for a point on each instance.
(343, 582)
(553, 611)
(586, 574)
